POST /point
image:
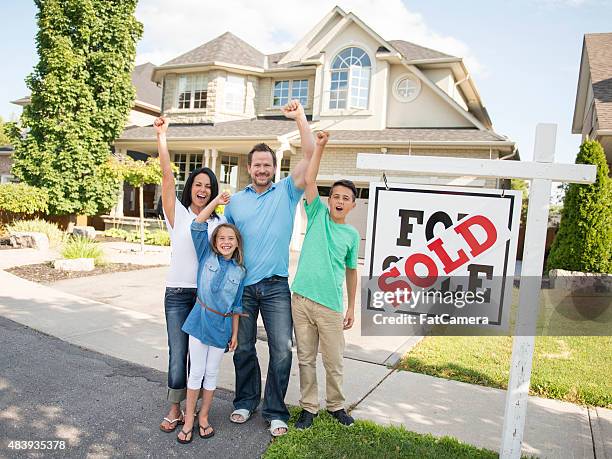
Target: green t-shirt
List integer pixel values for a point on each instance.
(329, 248)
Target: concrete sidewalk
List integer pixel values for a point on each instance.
(422, 403)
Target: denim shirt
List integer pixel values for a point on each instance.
(220, 285)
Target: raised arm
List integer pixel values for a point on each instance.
(221, 199)
(294, 110)
(168, 187)
(312, 168)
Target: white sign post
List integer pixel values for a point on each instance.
(541, 172)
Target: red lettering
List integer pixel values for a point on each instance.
(393, 286)
(464, 229)
(437, 246)
(432, 270)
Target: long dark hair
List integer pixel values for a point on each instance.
(214, 187)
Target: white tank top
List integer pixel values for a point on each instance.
(184, 261)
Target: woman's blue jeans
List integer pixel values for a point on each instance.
(271, 297)
(178, 302)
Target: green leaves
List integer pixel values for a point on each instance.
(81, 96)
(584, 240)
(139, 173)
(20, 198)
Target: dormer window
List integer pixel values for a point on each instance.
(350, 79)
(192, 92)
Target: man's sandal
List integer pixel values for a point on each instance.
(245, 414)
(177, 422)
(278, 424)
(184, 442)
(206, 435)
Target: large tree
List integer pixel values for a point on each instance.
(81, 95)
(584, 240)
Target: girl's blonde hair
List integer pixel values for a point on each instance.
(238, 255)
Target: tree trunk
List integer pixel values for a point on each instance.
(141, 206)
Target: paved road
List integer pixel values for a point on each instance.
(100, 406)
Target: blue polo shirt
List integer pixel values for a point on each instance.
(266, 222)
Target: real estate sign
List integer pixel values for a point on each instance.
(438, 255)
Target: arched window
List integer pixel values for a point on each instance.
(350, 79)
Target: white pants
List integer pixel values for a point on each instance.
(204, 363)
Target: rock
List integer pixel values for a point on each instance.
(26, 240)
(579, 281)
(84, 231)
(74, 264)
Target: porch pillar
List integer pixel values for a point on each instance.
(207, 157)
(215, 154)
(279, 160)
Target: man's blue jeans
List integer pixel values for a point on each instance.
(178, 303)
(272, 297)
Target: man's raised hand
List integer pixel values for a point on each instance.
(161, 125)
(321, 138)
(293, 110)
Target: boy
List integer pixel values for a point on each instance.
(329, 253)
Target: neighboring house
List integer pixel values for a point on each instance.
(373, 95)
(593, 108)
(145, 110)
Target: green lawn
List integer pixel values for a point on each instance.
(572, 368)
(328, 439)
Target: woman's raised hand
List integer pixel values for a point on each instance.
(161, 125)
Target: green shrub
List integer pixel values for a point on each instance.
(20, 198)
(81, 247)
(56, 236)
(156, 237)
(584, 240)
(116, 232)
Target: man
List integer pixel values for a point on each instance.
(264, 213)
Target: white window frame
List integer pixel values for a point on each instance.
(192, 161)
(192, 84)
(357, 95)
(234, 162)
(291, 91)
(235, 93)
(417, 90)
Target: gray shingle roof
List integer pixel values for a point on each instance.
(414, 52)
(146, 90)
(415, 135)
(599, 50)
(242, 128)
(225, 48)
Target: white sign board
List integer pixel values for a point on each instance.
(434, 253)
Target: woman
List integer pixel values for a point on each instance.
(200, 188)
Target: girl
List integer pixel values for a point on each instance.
(212, 324)
(180, 296)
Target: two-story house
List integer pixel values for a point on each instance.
(373, 95)
(593, 107)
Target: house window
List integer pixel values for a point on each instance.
(285, 169)
(192, 92)
(234, 94)
(228, 175)
(406, 88)
(281, 93)
(7, 178)
(185, 163)
(350, 79)
(297, 88)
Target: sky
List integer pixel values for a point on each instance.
(523, 55)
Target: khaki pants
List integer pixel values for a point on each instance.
(317, 326)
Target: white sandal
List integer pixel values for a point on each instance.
(278, 424)
(179, 421)
(246, 414)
